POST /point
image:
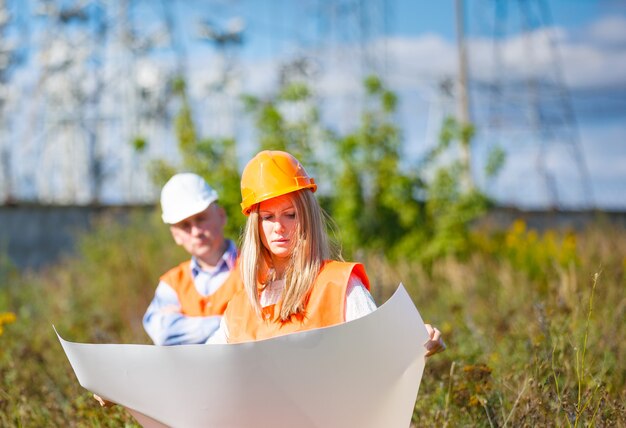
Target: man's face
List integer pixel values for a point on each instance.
(202, 234)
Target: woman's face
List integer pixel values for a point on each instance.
(278, 222)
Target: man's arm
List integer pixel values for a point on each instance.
(166, 325)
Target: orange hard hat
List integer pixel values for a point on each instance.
(269, 174)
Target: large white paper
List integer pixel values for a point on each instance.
(363, 373)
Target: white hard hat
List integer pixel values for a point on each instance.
(184, 195)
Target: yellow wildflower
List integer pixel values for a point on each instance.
(6, 318)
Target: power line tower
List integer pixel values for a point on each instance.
(529, 103)
(354, 30)
(62, 141)
(222, 89)
(350, 41)
(97, 92)
(13, 39)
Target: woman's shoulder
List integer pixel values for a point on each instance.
(340, 264)
(346, 271)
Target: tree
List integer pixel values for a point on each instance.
(378, 203)
(215, 159)
(375, 202)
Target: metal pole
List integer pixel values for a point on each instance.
(463, 114)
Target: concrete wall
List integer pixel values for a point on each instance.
(502, 217)
(34, 236)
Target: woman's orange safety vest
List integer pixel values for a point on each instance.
(193, 303)
(325, 306)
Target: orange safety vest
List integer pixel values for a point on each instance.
(325, 306)
(191, 301)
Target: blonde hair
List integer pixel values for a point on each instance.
(311, 247)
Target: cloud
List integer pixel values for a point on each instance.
(426, 57)
(594, 59)
(609, 31)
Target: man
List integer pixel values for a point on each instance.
(190, 300)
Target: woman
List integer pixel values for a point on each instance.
(290, 283)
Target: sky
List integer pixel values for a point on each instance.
(547, 86)
(574, 51)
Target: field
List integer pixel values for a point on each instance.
(534, 323)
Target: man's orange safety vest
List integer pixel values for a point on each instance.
(193, 303)
(325, 306)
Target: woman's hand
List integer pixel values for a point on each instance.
(103, 402)
(435, 343)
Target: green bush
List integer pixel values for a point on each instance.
(99, 296)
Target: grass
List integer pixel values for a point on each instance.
(534, 324)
